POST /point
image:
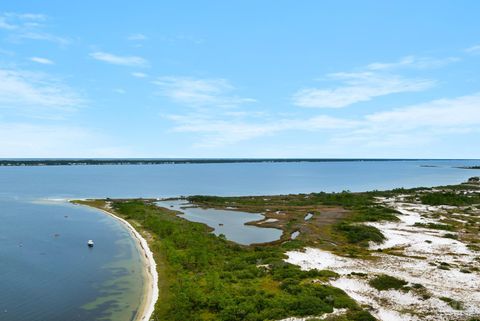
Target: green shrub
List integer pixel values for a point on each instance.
(359, 233)
(436, 226)
(449, 198)
(387, 282)
(457, 305)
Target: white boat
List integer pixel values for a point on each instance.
(90, 243)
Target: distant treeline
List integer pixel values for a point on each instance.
(156, 161)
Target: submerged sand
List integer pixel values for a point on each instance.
(150, 295)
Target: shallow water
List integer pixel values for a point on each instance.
(47, 272)
(227, 222)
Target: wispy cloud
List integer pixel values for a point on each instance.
(214, 131)
(120, 91)
(444, 113)
(139, 75)
(195, 92)
(371, 81)
(418, 124)
(473, 50)
(137, 37)
(21, 139)
(358, 87)
(402, 128)
(31, 26)
(413, 62)
(131, 61)
(36, 94)
(43, 61)
(5, 25)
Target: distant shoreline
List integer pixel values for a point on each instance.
(162, 161)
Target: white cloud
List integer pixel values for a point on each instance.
(43, 61)
(358, 87)
(473, 50)
(120, 91)
(6, 25)
(374, 80)
(139, 75)
(137, 37)
(29, 26)
(441, 113)
(44, 36)
(39, 141)
(7, 52)
(214, 132)
(193, 92)
(132, 61)
(417, 125)
(36, 93)
(413, 62)
(399, 130)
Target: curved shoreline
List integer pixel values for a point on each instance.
(150, 296)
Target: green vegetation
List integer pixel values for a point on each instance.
(360, 234)
(457, 305)
(437, 226)
(449, 198)
(387, 282)
(205, 277)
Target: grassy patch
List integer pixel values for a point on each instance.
(436, 226)
(449, 198)
(386, 282)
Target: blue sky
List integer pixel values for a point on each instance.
(240, 79)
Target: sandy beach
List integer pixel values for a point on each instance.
(150, 295)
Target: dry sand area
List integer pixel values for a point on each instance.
(444, 267)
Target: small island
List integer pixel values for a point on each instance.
(407, 254)
(469, 167)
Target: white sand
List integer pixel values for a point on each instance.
(420, 267)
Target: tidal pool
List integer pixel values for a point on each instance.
(230, 223)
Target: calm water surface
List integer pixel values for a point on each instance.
(224, 179)
(48, 273)
(226, 222)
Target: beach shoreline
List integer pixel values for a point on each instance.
(150, 293)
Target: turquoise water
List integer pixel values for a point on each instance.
(226, 222)
(49, 277)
